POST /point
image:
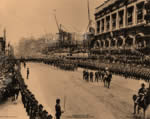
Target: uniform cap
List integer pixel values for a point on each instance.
(57, 100)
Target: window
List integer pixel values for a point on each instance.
(140, 16)
(98, 26)
(121, 14)
(130, 15)
(112, 43)
(108, 23)
(102, 25)
(114, 21)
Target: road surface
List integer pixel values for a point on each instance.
(79, 99)
(13, 110)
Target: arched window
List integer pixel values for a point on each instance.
(120, 41)
(106, 43)
(97, 44)
(129, 41)
(102, 44)
(112, 43)
(140, 43)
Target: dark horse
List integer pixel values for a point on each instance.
(107, 80)
(143, 104)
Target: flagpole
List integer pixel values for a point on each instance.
(64, 103)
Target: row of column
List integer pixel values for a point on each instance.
(124, 42)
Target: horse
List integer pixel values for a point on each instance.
(143, 104)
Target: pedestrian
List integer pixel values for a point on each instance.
(58, 109)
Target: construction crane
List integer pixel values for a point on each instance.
(89, 27)
(89, 17)
(57, 21)
(60, 31)
(90, 31)
(64, 35)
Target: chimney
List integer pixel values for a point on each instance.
(4, 34)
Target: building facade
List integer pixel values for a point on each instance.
(122, 25)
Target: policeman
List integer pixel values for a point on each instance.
(58, 109)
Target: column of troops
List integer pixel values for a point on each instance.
(127, 71)
(100, 75)
(89, 76)
(32, 106)
(62, 64)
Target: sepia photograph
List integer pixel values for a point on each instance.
(74, 59)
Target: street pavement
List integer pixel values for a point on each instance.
(80, 99)
(12, 110)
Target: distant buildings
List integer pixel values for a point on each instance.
(122, 25)
(3, 43)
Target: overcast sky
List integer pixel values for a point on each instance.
(35, 17)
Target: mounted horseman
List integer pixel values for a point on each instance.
(142, 101)
(107, 78)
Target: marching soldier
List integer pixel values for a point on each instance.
(99, 75)
(109, 79)
(102, 75)
(87, 76)
(84, 74)
(96, 76)
(91, 76)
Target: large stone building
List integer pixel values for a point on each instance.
(122, 25)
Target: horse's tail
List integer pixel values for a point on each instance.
(134, 97)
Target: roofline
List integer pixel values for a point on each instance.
(102, 4)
